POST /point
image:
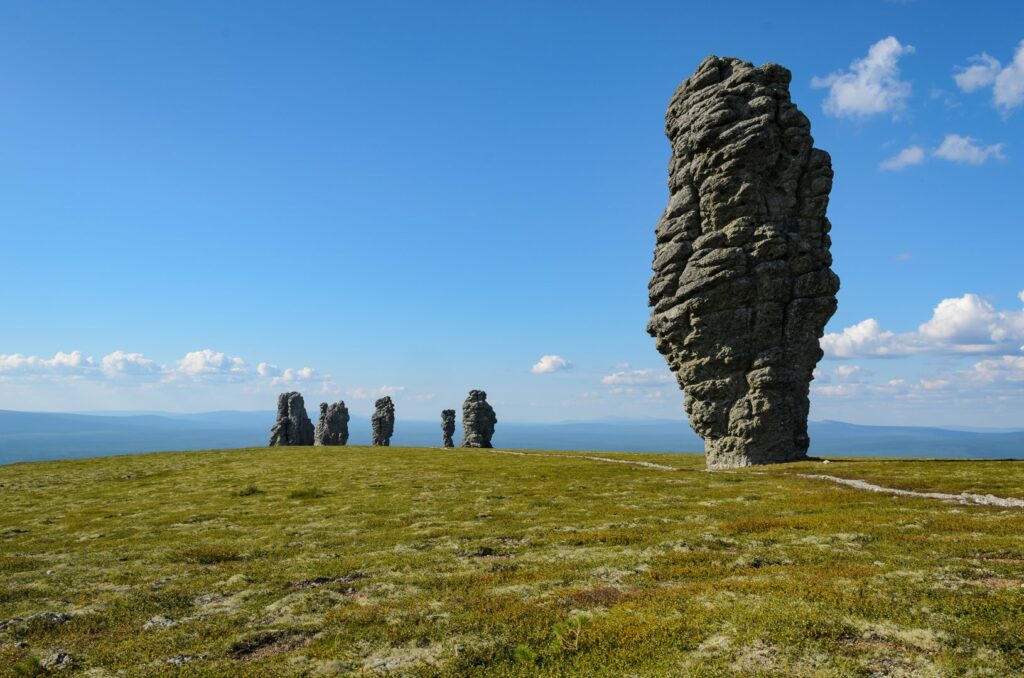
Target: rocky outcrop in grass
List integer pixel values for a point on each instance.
(447, 428)
(742, 288)
(478, 420)
(292, 426)
(383, 421)
(332, 429)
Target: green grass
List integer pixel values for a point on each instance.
(359, 561)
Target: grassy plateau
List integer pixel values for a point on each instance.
(424, 562)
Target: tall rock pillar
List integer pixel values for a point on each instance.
(292, 426)
(742, 284)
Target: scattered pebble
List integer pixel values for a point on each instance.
(180, 659)
(58, 661)
(48, 617)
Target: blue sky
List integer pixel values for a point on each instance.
(203, 204)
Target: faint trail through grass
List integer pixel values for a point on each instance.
(643, 464)
(963, 497)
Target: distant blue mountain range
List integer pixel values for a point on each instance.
(28, 436)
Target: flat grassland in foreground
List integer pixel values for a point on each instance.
(409, 561)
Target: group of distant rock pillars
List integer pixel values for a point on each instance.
(742, 284)
(293, 426)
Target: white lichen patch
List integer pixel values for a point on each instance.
(926, 640)
(406, 658)
(755, 658)
(222, 603)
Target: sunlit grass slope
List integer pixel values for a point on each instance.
(359, 561)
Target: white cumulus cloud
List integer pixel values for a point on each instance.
(290, 376)
(849, 372)
(872, 84)
(981, 73)
(1006, 369)
(1007, 82)
(268, 370)
(208, 363)
(73, 363)
(866, 338)
(549, 364)
(122, 362)
(967, 324)
(1008, 89)
(966, 150)
(302, 377)
(644, 377)
(912, 155)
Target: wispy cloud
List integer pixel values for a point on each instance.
(123, 367)
(954, 148)
(872, 84)
(644, 377)
(912, 155)
(991, 379)
(967, 150)
(363, 393)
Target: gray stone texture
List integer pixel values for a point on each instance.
(293, 426)
(332, 429)
(742, 287)
(478, 420)
(383, 421)
(447, 428)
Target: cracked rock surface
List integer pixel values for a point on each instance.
(293, 426)
(332, 429)
(742, 285)
(383, 421)
(478, 420)
(447, 428)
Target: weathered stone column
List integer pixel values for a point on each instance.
(332, 429)
(383, 421)
(478, 420)
(447, 428)
(293, 426)
(742, 287)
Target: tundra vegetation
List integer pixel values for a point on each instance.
(364, 561)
